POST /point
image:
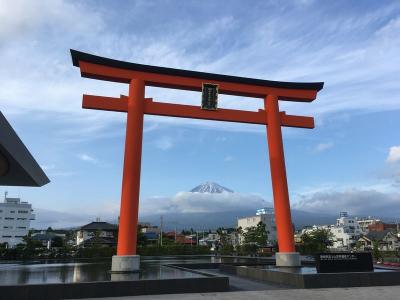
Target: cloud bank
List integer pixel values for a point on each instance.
(361, 202)
(217, 42)
(187, 202)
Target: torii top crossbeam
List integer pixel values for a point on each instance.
(139, 76)
(124, 72)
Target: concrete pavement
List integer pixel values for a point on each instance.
(359, 293)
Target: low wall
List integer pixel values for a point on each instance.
(114, 288)
(321, 280)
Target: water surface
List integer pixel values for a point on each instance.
(34, 272)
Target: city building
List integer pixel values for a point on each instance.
(150, 232)
(46, 238)
(265, 215)
(364, 222)
(345, 233)
(99, 233)
(381, 226)
(15, 220)
(17, 168)
(186, 239)
(386, 240)
(148, 228)
(211, 240)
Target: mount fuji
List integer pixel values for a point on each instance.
(210, 205)
(210, 187)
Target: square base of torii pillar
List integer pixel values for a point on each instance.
(287, 259)
(125, 263)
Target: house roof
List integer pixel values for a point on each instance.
(44, 236)
(17, 165)
(100, 240)
(377, 235)
(100, 226)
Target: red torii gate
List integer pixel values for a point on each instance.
(136, 105)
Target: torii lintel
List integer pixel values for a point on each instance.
(194, 112)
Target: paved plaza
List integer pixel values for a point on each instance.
(364, 293)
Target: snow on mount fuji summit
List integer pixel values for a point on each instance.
(210, 187)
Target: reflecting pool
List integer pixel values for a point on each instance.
(31, 272)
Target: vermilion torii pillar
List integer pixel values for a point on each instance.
(136, 105)
(127, 235)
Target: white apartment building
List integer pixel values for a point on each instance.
(15, 220)
(265, 215)
(345, 233)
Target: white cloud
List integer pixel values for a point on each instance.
(394, 154)
(187, 202)
(362, 202)
(20, 17)
(87, 158)
(323, 147)
(164, 143)
(58, 88)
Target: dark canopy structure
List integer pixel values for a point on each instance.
(17, 165)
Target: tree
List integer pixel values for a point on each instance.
(31, 243)
(223, 236)
(256, 235)
(376, 253)
(224, 246)
(316, 241)
(57, 241)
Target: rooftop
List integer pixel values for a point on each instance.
(99, 226)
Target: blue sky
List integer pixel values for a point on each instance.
(350, 161)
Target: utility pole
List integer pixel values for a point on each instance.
(161, 229)
(175, 232)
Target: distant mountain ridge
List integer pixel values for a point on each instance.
(210, 187)
(229, 219)
(226, 218)
(217, 215)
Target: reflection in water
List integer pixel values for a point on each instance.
(31, 272)
(63, 273)
(124, 276)
(77, 274)
(22, 277)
